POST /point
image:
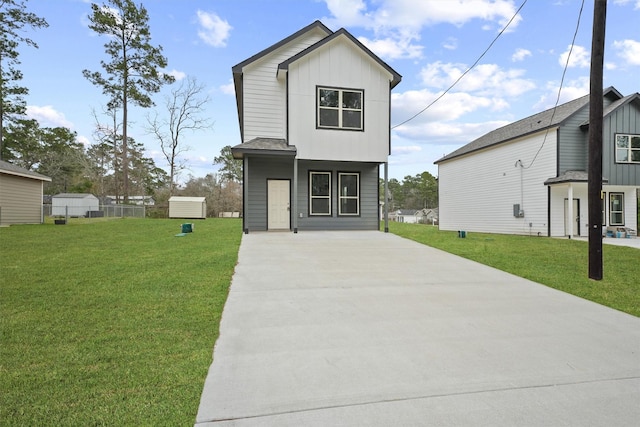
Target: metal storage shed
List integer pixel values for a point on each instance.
(20, 195)
(73, 204)
(187, 207)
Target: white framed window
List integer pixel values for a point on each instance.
(616, 208)
(349, 188)
(627, 148)
(320, 193)
(340, 108)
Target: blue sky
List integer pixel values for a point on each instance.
(429, 42)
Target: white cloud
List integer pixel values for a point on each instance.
(450, 44)
(397, 23)
(406, 149)
(229, 88)
(83, 140)
(178, 75)
(636, 3)
(580, 57)
(47, 116)
(214, 31)
(520, 54)
(484, 79)
(629, 50)
(389, 48)
(570, 91)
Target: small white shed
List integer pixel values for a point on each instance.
(187, 207)
(73, 204)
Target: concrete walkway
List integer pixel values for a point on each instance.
(367, 328)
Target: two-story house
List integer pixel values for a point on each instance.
(314, 112)
(530, 177)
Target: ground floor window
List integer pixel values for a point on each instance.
(349, 185)
(616, 209)
(320, 193)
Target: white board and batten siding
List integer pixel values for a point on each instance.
(264, 96)
(339, 64)
(187, 207)
(477, 191)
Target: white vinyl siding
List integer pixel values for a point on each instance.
(20, 200)
(265, 96)
(339, 64)
(477, 191)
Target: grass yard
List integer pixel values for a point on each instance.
(557, 263)
(110, 322)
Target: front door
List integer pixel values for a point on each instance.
(576, 217)
(278, 210)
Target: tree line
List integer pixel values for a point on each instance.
(115, 163)
(413, 192)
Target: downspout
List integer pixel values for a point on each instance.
(386, 197)
(295, 195)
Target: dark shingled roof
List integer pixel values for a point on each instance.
(571, 176)
(11, 169)
(264, 146)
(538, 122)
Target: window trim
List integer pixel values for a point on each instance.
(341, 197)
(629, 149)
(621, 211)
(312, 197)
(340, 109)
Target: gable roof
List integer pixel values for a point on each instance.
(11, 169)
(317, 26)
(548, 119)
(237, 69)
(634, 98)
(395, 76)
(74, 196)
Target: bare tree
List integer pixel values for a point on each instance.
(185, 109)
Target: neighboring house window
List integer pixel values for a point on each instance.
(616, 209)
(320, 193)
(627, 148)
(340, 108)
(349, 186)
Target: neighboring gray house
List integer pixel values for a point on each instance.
(427, 216)
(74, 204)
(314, 112)
(530, 177)
(20, 195)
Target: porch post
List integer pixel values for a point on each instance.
(295, 195)
(570, 210)
(386, 197)
(245, 193)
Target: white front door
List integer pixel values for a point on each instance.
(278, 210)
(576, 217)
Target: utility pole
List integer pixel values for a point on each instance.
(594, 191)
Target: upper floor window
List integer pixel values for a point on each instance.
(627, 148)
(340, 108)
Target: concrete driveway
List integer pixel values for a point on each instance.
(367, 328)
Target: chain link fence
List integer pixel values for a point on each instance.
(109, 211)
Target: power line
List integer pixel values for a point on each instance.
(467, 71)
(564, 72)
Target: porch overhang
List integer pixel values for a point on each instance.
(571, 176)
(264, 147)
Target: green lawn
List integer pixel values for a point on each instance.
(110, 322)
(558, 263)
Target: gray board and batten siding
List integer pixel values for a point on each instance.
(623, 119)
(260, 171)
